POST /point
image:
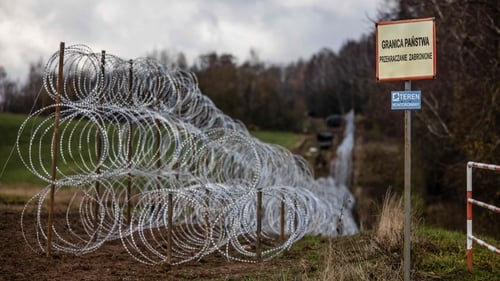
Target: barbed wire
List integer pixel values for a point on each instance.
(140, 145)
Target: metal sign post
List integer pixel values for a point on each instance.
(406, 50)
(407, 190)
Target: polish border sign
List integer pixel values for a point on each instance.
(406, 50)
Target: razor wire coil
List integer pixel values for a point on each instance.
(141, 139)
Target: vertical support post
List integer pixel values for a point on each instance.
(55, 148)
(469, 217)
(159, 165)
(282, 219)
(207, 215)
(99, 142)
(158, 129)
(170, 225)
(258, 245)
(407, 191)
(130, 135)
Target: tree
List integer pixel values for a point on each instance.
(32, 90)
(217, 78)
(8, 90)
(460, 115)
(169, 58)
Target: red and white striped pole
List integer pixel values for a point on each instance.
(469, 216)
(471, 238)
(491, 167)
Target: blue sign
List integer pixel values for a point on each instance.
(403, 100)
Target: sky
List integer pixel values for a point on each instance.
(279, 31)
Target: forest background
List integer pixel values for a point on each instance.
(459, 120)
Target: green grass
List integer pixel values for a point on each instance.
(443, 253)
(14, 171)
(285, 139)
(437, 254)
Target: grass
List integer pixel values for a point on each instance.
(14, 171)
(390, 226)
(437, 254)
(442, 253)
(285, 139)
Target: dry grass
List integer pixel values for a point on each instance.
(345, 266)
(390, 227)
(375, 255)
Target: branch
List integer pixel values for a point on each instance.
(434, 109)
(436, 6)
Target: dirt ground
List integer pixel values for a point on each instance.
(111, 262)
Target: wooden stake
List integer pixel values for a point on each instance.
(159, 165)
(207, 214)
(259, 226)
(129, 181)
(99, 142)
(55, 148)
(170, 225)
(282, 219)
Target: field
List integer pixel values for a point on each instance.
(374, 254)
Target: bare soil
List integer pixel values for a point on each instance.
(111, 262)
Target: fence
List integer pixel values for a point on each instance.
(153, 162)
(470, 202)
